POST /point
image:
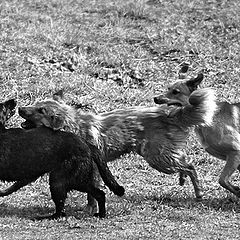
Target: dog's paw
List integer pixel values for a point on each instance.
(99, 215)
(119, 191)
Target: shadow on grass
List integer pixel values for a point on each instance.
(225, 204)
(33, 212)
(30, 212)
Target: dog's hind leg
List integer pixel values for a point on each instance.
(14, 187)
(232, 164)
(99, 195)
(92, 206)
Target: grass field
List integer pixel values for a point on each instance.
(110, 54)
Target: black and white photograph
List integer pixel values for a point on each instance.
(120, 120)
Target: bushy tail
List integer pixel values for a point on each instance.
(105, 172)
(201, 109)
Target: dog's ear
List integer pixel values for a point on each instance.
(58, 96)
(194, 82)
(56, 122)
(10, 104)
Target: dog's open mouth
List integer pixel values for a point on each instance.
(169, 102)
(28, 125)
(174, 103)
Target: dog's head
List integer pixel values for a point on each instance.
(52, 113)
(7, 110)
(179, 92)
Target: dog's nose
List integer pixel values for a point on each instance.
(21, 110)
(12, 103)
(161, 99)
(158, 99)
(155, 99)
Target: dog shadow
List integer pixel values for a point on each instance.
(28, 212)
(34, 212)
(224, 204)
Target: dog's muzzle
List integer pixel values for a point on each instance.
(164, 100)
(28, 125)
(160, 100)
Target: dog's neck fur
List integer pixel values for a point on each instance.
(86, 125)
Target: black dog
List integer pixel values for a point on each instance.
(25, 155)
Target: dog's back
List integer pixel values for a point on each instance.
(129, 129)
(223, 136)
(229, 113)
(27, 154)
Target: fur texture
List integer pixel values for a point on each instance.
(25, 155)
(222, 138)
(156, 133)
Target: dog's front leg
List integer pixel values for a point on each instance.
(14, 187)
(191, 172)
(58, 189)
(232, 164)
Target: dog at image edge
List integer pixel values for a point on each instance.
(156, 133)
(7, 110)
(222, 138)
(25, 155)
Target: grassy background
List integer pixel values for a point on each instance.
(110, 54)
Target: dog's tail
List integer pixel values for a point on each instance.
(105, 172)
(201, 109)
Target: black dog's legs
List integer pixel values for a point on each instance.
(92, 206)
(14, 187)
(58, 189)
(99, 195)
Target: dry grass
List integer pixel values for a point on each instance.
(110, 54)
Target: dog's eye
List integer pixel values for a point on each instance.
(41, 110)
(175, 91)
